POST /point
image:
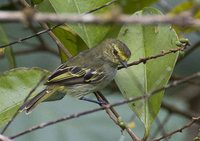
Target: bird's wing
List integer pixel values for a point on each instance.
(70, 75)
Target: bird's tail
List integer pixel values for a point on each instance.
(32, 103)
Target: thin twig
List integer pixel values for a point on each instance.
(47, 29)
(192, 82)
(30, 36)
(42, 42)
(112, 112)
(26, 98)
(45, 26)
(100, 7)
(76, 115)
(53, 27)
(58, 42)
(145, 59)
(189, 124)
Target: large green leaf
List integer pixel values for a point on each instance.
(91, 34)
(15, 85)
(8, 50)
(146, 41)
(70, 40)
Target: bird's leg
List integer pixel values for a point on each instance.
(92, 100)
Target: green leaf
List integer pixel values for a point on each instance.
(91, 34)
(14, 87)
(10, 57)
(70, 40)
(130, 6)
(36, 1)
(146, 41)
(8, 50)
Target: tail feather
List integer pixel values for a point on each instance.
(32, 103)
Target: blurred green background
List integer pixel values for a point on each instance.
(97, 126)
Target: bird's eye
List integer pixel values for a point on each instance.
(115, 52)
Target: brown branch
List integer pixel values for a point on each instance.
(3, 138)
(115, 116)
(189, 124)
(57, 41)
(39, 38)
(183, 19)
(145, 59)
(25, 4)
(192, 82)
(29, 37)
(47, 29)
(53, 27)
(76, 115)
(45, 26)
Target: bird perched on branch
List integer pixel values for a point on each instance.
(89, 71)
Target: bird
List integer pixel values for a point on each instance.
(89, 71)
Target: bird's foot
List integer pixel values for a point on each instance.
(100, 102)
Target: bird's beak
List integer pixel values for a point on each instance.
(123, 63)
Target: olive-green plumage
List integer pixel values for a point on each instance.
(89, 71)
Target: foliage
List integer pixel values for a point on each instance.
(13, 94)
(146, 41)
(143, 41)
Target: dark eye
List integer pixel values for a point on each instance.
(115, 52)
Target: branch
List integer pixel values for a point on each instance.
(29, 11)
(192, 82)
(29, 37)
(76, 115)
(145, 59)
(53, 27)
(115, 116)
(189, 124)
(183, 19)
(3, 138)
(57, 41)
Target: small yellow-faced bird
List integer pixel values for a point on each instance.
(89, 71)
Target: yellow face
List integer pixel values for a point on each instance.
(121, 53)
(116, 51)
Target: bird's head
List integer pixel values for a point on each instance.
(116, 52)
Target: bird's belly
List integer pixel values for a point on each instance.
(80, 90)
